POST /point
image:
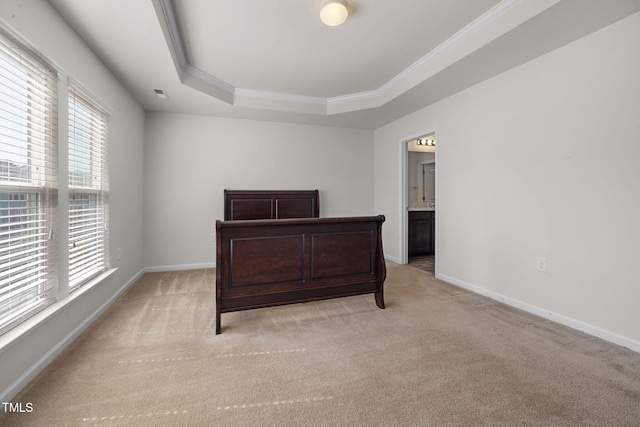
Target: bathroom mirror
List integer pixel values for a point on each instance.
(421, 180)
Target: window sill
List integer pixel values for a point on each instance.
(14, 335)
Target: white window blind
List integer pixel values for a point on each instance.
(28, 183)
(88, 188)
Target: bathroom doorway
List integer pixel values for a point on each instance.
(420, 202)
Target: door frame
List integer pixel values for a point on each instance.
(404, 196)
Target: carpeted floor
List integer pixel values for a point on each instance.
(436, 356)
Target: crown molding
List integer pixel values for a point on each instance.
(481, 22)
(411, 76)
(279, 101)
(280, 96)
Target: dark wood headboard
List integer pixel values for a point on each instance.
(248, 204)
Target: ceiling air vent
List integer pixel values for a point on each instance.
(161, 93)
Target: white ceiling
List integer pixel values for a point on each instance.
(275, 60)
(281, 46)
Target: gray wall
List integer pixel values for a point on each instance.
(190, 160)
(541, 160)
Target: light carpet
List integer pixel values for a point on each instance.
(436, 356)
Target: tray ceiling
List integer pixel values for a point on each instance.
(275, 60)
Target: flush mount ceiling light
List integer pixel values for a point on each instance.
(334, 12)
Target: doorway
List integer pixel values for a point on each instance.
(419, 216)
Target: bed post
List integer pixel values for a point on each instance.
(382, 267)
(218, 275)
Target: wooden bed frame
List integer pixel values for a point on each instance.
(263, 263)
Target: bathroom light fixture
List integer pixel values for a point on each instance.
(333, 12)
(426, 142)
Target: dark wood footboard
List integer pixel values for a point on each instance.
(262, 263)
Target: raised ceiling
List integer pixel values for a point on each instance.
(282, 47)
(275, 60)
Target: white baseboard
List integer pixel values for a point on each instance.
(558, 318)
(393, 259)
(163, 268)
(48, 357)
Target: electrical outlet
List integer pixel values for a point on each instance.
(118, 253)
(541, 264)
(212, 237)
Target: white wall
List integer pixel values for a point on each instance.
(22, 357)
(542, 160)
(190, 160)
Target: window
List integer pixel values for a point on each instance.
(88, 188)
(28, 183)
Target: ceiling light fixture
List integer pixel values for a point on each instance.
(334, 12)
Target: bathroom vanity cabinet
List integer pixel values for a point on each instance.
(422, 232)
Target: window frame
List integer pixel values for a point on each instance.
(28, 141)
(88, 152)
